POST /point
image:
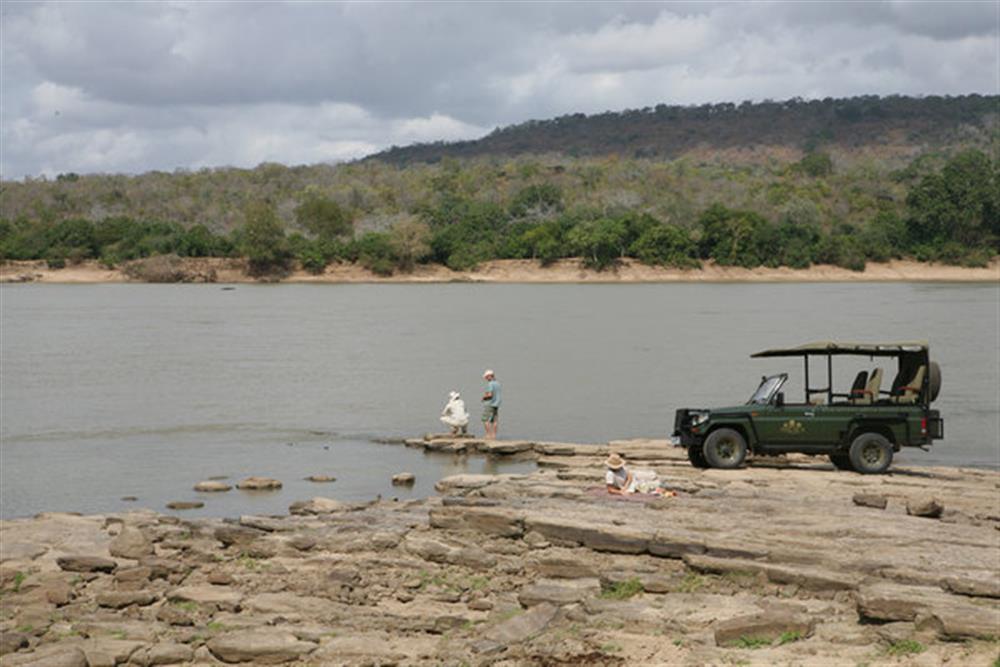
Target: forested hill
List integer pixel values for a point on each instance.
(671, 131)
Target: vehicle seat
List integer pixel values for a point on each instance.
(869, 393)
(859, 386)
(911, 392)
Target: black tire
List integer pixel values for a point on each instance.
(871, 454)
(841, 461)
(934, 380)
(697, 456)
(725, 448)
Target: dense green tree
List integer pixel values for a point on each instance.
(375, 252)
(323, 217)
(601, 242)
(665, 245)
(815, 164)
(735, 238)
(960, 204)
(262, 240)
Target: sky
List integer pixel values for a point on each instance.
(129, 87)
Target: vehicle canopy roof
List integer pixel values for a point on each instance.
(896, 349)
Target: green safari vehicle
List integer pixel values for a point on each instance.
(859, 428)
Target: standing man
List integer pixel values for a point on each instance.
(491, 405)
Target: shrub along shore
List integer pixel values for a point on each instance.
(950, 216)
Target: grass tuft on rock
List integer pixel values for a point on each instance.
(905, 647)
(752, 642)
(622, 590)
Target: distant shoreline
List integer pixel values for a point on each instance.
(221, 270)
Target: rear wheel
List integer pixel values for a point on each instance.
(871, 454)
(841, 461)
(725, 448)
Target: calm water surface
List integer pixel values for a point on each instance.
(114, 390)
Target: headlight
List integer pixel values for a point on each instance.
(699, 418)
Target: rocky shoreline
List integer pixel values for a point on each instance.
(787, 561)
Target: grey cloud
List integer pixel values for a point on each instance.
(133, 86)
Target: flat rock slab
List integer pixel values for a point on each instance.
(221, 596)
(321, 478)
(523, 627)
(318, 505)
(259, 646)
(809, 578)
(950, 615)
(86, 564)
(506, 447)
(983, 588)
(761, 627)
(105, 651)
(53, 657)
(558, 591)
(404, 479)
(20, 551)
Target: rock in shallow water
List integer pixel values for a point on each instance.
(403, 479)
(211, 486)
(185, 504)
(259, 484)
(320, 478)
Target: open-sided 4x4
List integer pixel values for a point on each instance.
(859, 429)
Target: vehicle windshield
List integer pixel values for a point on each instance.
(767, 389)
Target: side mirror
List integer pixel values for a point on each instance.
(779, 400)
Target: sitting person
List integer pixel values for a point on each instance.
(454, 415)
(621, 481)
(618, 479)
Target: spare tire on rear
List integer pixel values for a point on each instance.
(934, 380)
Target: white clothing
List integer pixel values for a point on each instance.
(454, 414)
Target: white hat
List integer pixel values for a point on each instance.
(453, 395)
(488, 372)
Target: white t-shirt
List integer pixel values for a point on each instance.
(616, 478)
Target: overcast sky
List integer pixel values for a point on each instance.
(130, 87)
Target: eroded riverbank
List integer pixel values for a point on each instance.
(784, 562)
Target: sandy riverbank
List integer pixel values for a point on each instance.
(525, 271)
(783, 562)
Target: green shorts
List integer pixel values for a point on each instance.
(490, 413)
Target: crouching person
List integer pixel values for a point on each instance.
(454, 415)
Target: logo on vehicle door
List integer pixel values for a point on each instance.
(792, 426)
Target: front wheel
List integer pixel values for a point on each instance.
(871, 454)
(696, 456)
(841, 461)
(725, 448)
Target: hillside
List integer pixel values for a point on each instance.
(671, 131)
(842, 182)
